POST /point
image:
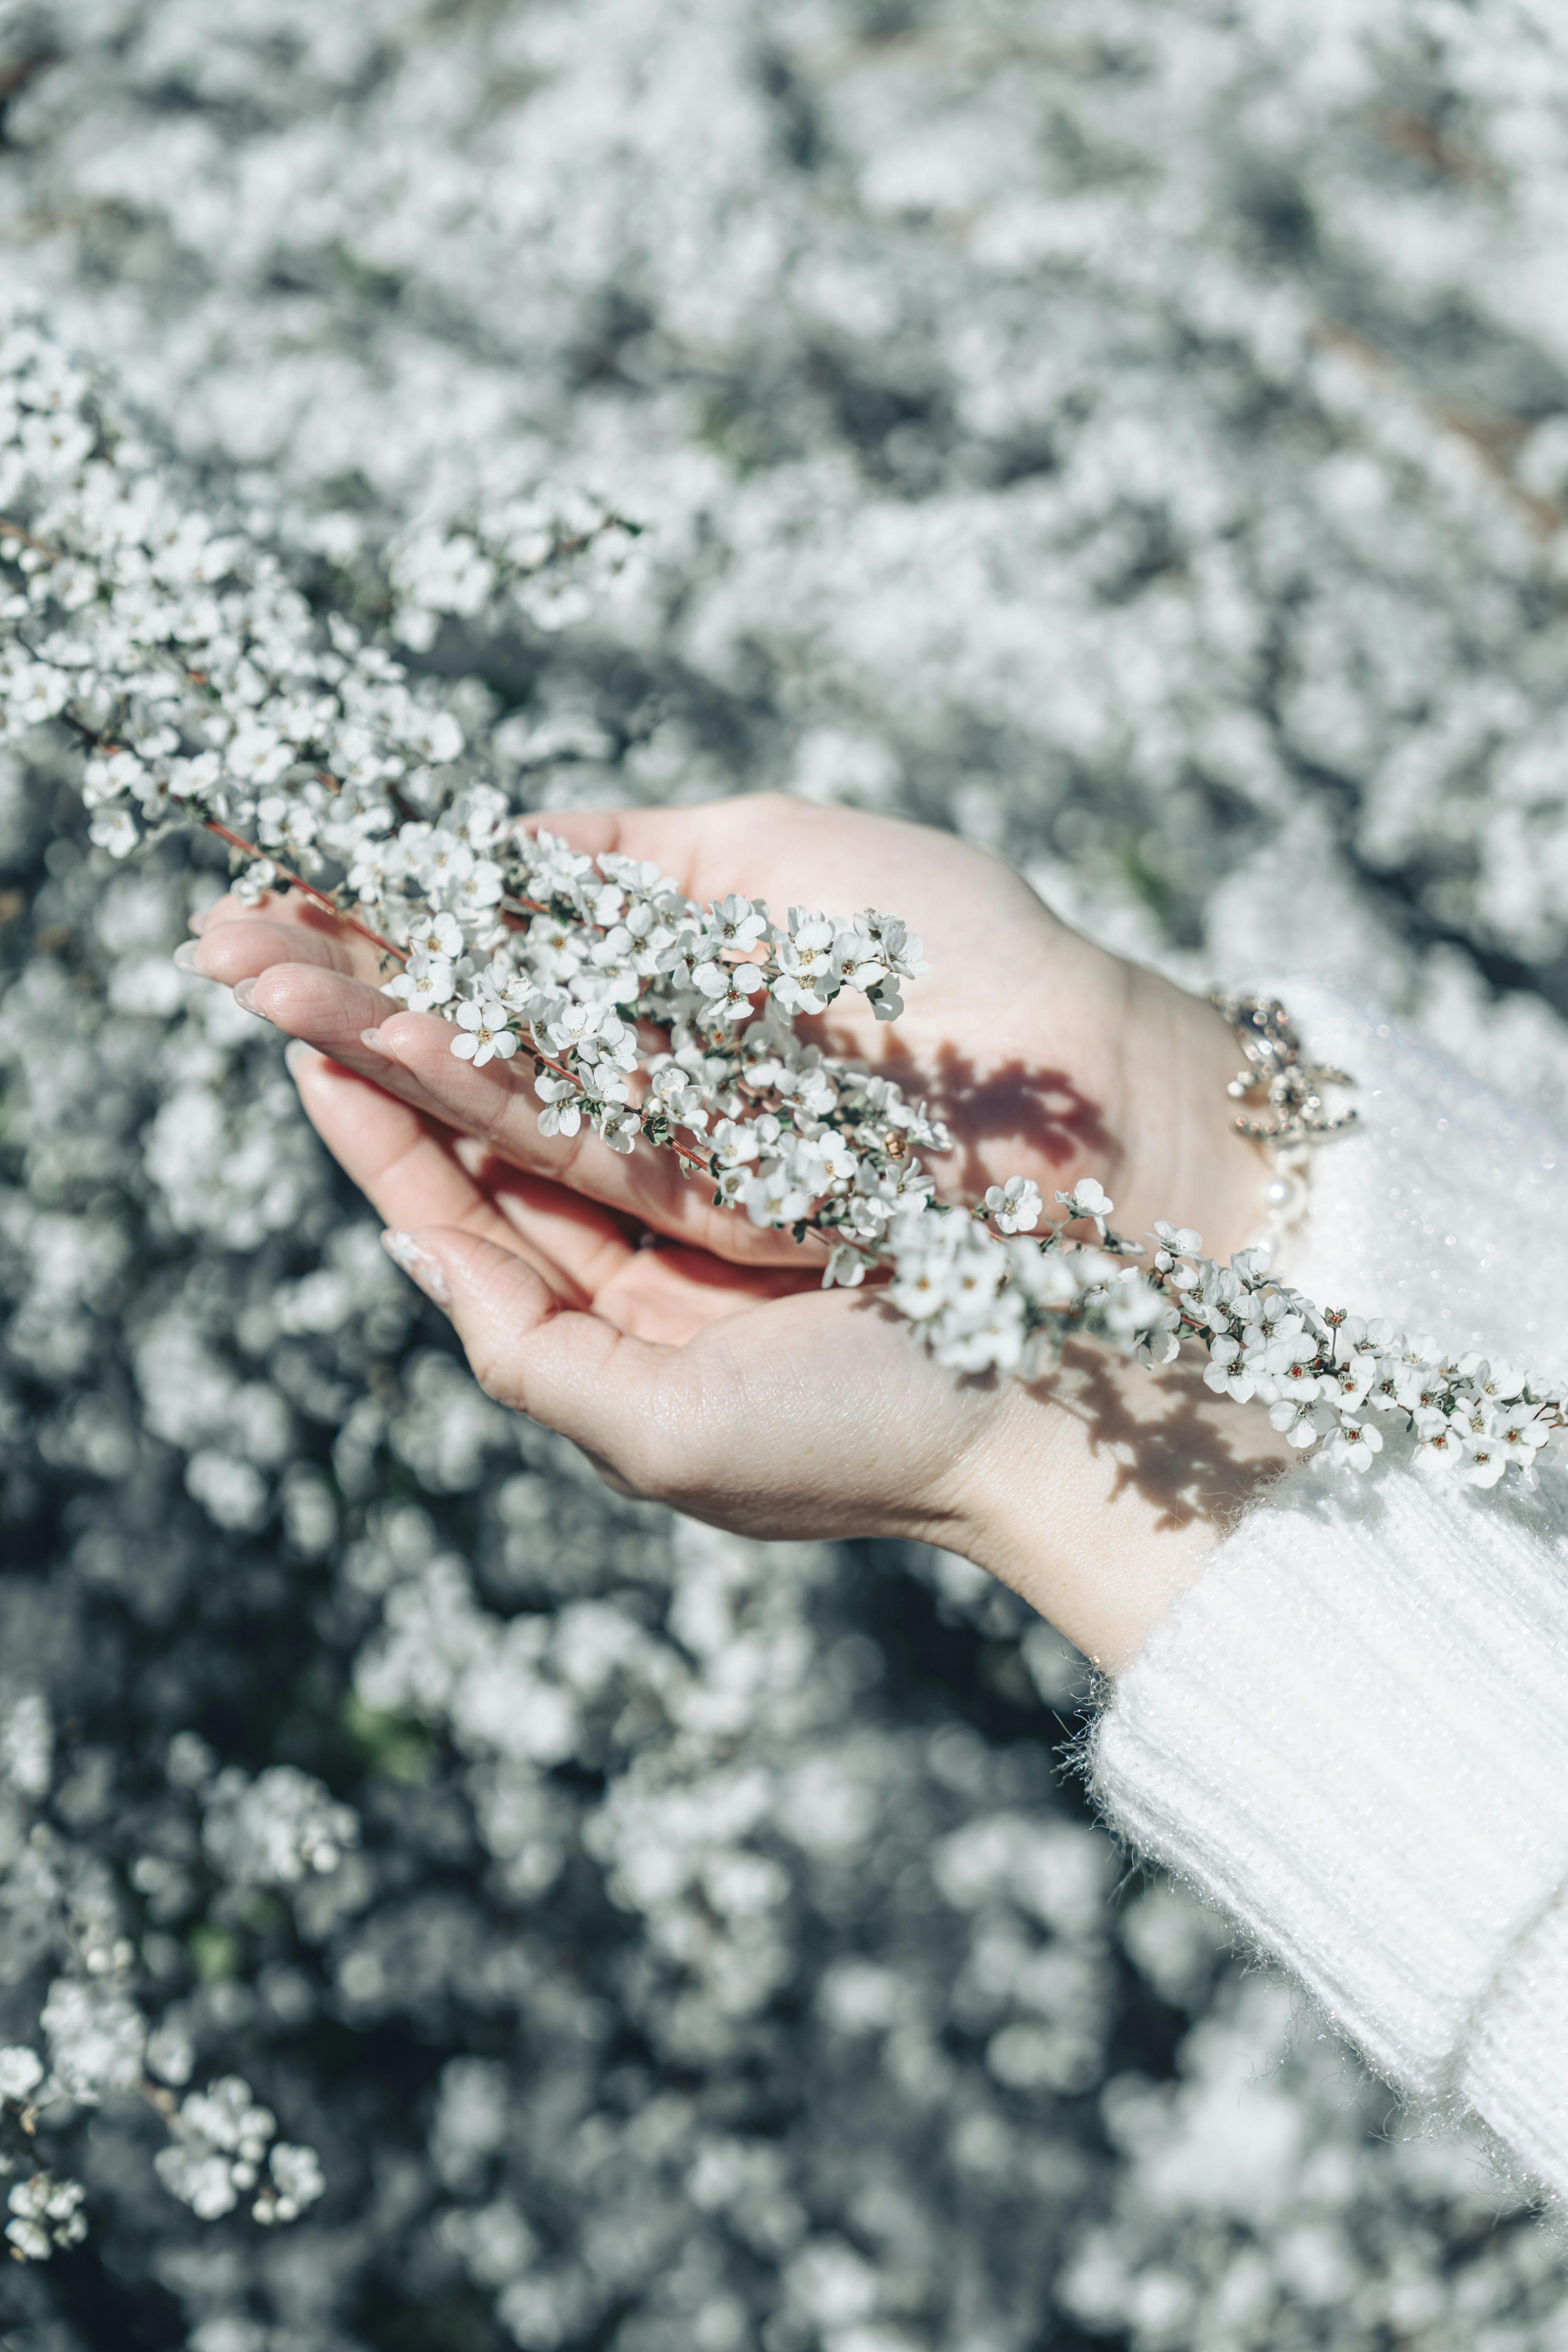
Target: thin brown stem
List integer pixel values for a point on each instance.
(298, 882)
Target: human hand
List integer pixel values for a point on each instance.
(708, 1372)
(750, 1397)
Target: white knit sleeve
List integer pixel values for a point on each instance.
(1353, 1733)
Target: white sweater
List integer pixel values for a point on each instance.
(1353, 1733)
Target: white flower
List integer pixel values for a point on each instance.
(114, 829)
(1442, 1445)
(296, 2181)
(1087, 1198)
(1225, 1374)
(1289, 1363)
(1048, 1277)
(808, 969)
(990, 1340)
(730, 987)
(1486, 1459)
(1300, 1424)
(975, 1272)
(1522, 1433)
(483, 1033)
(844, 1266)
(734, 1143)
(619, 1130)
(561, 1114)
(876, 955)
(1176, 1241)
(1162, 1327)
(1016, 1206)
(47, 2213)
(438, 936)
(21, 2072)
(734, 922)
(920, 1287)
(672, 1094)
(424, 982)
(776, 1197)
(1354, 1445)
(255, 754)
(1351, 1378)
(574, 1024)
(614, 974)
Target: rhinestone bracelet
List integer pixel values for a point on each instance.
(1288, 1115)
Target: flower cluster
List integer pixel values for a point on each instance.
(1326, 1376)
(44, 2208)
(583, 952)
(179, 648)
(46, 2213)
(223, 2147)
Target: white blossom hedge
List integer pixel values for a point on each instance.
(444, 1903)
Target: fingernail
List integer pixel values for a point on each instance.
(245, 997)
(420, 1265)
(185, 955)
(296, 1054)
(372, 1037)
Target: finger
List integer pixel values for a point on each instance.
(413, 1058)
(601, 1387)
(332, 1012)
(500, 1107)
(416, 1173)
(278, 905)
(248, 945)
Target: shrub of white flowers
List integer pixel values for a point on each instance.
(1133, 438)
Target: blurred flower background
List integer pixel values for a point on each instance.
(1132, 436)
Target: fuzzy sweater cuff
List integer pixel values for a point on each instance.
(1353, 1733)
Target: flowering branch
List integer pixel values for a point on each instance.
(297, 882)
(234, 708)
(802, 1140)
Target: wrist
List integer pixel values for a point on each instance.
(1179, 1057)
(1099, 1492)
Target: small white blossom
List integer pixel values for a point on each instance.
(1016, 1206)
(483, 1033)
(46, 2213)
(425, 984)
(1087, 1198)
(21, 2072)
(561, 1114)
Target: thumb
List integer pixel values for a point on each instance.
(569, 1370)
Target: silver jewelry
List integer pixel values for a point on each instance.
(1291, 1118)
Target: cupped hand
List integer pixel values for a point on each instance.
(750, 1397)
(710, 1371)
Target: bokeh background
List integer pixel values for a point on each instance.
(1132, 436)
